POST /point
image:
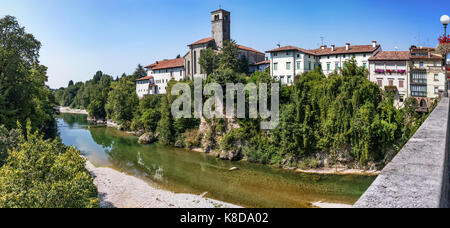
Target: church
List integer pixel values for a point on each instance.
(220, 21)
(188, 67)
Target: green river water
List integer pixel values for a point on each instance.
(184, 171)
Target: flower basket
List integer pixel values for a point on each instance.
(379, 71)
(390, 71)
(444, 45)
(401, 71)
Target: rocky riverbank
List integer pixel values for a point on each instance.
(119, 190)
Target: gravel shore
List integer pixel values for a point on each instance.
(119, 190)
(68, 110)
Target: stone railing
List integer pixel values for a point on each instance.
(418, 177)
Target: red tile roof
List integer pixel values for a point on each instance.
(327, 51)
(249, 49)
(202, 41)
(144, 78)
(291, 48)
(342, 50)
(391, 55)
(262, 62)
(167, 64)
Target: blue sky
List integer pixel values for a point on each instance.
(80, 37)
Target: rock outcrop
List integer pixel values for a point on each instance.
(148, 138)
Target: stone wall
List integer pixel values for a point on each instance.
(418, 177)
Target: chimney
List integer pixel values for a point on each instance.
(347, 46)
(323, 47)
(278, 45)
(333, 47)
(374, 44)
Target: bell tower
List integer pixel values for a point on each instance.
(220, 26)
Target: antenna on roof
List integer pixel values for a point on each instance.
(220, 6)
(322, 38)
(396, 48)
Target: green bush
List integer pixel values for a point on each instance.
(45, 174)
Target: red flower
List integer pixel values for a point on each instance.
(444, 40)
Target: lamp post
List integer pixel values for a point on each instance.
(445, 20)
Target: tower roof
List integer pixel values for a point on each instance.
(220, 10)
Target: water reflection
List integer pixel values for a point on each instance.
(191, 172)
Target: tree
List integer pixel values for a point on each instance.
(45, 174)
(8, 140)
(70, 83)
(122, 102)
(228, 57)
(139, 72)
(243, 65)
(165, 124)
(208, 61)
(22, 79)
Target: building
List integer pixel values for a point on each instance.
(260, 66)
(221, 32)
(333, 58)
(427, 75)
(145, 86)
(290, 61)
(162, 72)
(390, 71)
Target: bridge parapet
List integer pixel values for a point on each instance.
(418, 177)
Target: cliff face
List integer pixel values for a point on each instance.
(213, 131)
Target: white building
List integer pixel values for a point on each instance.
(289, 61)
(390, 71)
(427, 75)
(165, 71)
(145, 86)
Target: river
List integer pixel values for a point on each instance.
(183, 171)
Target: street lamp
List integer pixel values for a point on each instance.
(445, 20)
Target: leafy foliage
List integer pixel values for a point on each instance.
(45, 174)
(23, 93)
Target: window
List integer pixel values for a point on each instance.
(288, 79)
(436, 90)
(344, 56)
(364, 55)
(418, 90)
(299, 65)
(195, 62)
(419, 77)
(365, 65)
(181, 72)
(336, 65)
(288, 53)
(298, 55)
(288, 65)
(435, 64)
(282, 80)
(275, 66)
(421, 64)
(391, 82)
(275, 54)
(401, 83)
(328, 66)
(309, 65)
(216, 17)
(402, 99)
(380, 82)
(436, 77)
(328, 57)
